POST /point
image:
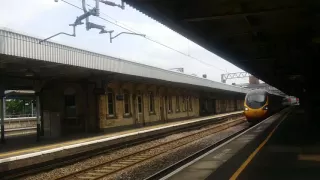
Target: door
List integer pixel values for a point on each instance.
(140, 117)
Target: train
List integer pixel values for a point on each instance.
(260, 104)
(291, 101)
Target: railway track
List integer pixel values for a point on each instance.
(58, 163)
(111, 167)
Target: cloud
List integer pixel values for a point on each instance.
(45, 17)
(17, 13)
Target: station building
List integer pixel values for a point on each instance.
(82, 91)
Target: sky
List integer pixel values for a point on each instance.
(43, 18)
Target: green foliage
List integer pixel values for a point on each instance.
(17, 106)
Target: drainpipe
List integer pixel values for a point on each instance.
(2, 112)
(38, 116)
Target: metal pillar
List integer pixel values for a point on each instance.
(24, 107)
(2, 112)
(38, 117)
(31, 108)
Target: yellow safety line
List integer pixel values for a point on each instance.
(252, 155)
(309, 157)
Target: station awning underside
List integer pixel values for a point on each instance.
(275, 40)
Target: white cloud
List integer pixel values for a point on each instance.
(19, 12)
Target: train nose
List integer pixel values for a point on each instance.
(255, 113)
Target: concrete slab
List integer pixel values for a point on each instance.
(205, 165)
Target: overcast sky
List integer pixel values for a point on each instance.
(43, 18)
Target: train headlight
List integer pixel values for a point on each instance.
(265, 108)
(246, 109)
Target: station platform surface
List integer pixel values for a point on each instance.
(293, 152)
(19, 149)
(288, 149)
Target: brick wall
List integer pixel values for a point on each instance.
(160, 95)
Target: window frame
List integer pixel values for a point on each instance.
(184, 104)
(74, 106)
(128, 103)
(190, 106)
(141, 104)
(169, 98)
(151, 103)
(110, 91)
(177, 105)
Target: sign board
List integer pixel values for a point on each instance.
(119, 97)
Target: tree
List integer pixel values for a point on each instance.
(14, 106)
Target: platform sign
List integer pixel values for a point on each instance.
(119, 97)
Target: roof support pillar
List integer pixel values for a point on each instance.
(2, 113)
(38, 116)
(37, 88)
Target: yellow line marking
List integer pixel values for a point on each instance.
(252, 155)
(309, 157)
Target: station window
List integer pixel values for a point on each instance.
(177, 104)
(218, 105)
(151, 102)
(111, 104)
(184, 104)
(126, 99)
(70, 106)
(190, 103)
(169, 104)
(139, 104)
(206, 104)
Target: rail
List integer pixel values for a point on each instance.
(109, 149)
(111, 167)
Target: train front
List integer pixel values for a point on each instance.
(256, 105)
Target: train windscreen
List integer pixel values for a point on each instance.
(256, 100)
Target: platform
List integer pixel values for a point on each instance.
(223, 161)
(44, 151)
(293, 152)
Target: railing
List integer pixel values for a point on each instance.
(20, 115)
(20, 122)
